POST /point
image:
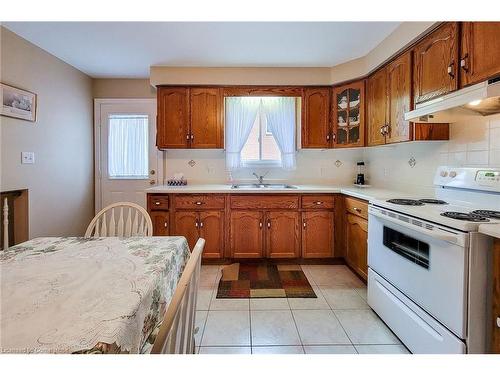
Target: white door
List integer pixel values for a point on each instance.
(127, 160)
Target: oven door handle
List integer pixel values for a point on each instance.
(427, 232)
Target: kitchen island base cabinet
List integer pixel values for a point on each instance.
(247, 234)
(317, 234)
(282, 234)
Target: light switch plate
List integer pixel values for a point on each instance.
(27, 157)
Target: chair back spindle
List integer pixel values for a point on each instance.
(122, 219)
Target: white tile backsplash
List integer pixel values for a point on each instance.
(474, 141)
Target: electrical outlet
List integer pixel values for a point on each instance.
(27, 157)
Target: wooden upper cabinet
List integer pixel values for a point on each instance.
(282, 234)
(211, 224)
(435, 65)
(480, 52)
(399, 98)
(247, 228)
(206, 118)
(348, 115)
(377, 106)
(173, 117)
(317, 234)
(316, 130)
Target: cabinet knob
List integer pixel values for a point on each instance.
(304, 223)
(357, 209)
(450, 71)
(187, 137)
(463, 63)
(196, 223)
(157, 203)
(192, 136)
(498, 321)
(318, 203)
(165, 224)
(201, 224)
(269, 224)
(382, 130)
(260, 224)
(199, 203)
(328, 137)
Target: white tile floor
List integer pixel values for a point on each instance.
(339, 321)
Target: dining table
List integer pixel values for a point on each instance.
(87, 295)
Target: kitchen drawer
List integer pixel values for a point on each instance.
(260, 201)
(199, 201)
(157, 202)
(318, 201)
(357, 207)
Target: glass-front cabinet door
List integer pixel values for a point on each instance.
(349, 114)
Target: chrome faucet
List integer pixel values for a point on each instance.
(260, 178)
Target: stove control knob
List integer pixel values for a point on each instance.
(443, 174)
(453, 174)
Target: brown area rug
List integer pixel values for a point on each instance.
(264, 281)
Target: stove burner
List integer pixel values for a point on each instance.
(464, 216)
(432, 201)
(406, 202)
(487, 213)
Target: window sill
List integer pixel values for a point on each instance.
(262, 164)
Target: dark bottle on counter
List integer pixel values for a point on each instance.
(360, 177)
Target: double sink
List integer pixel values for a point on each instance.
(263, 186)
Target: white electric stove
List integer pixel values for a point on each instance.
(428, 265)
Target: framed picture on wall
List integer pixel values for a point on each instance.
(17, 103)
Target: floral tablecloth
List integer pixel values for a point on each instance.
(77, 295)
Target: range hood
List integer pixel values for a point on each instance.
(482, 99)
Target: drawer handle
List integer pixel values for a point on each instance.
(199, 203)
(318, 202)
(357, 209)
(157, 203)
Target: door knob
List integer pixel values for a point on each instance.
(152, 182)
(152, 172)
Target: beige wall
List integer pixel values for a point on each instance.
(122, 88)
(405, 34)
(60, 183)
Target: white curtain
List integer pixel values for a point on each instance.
(240, 116)
(280, 115)
(128, 146)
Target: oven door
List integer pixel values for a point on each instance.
(426, 262)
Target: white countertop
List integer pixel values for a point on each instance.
(366, 193)
(492, 230)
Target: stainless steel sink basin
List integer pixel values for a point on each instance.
(263, 186)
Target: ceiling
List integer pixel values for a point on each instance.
(128, 49)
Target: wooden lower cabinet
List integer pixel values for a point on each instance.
(495, 300)
(211, 225)
(282, 234)
(186, 224)
(317, 234)
(160, 221)
(202, 224)
(247, 234)
(356, 244)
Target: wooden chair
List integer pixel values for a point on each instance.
(132, 220)
(176, 334)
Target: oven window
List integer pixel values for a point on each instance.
(414, 250)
